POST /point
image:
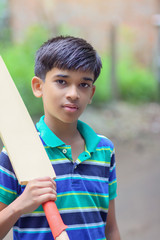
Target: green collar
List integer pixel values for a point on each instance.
(50, 139)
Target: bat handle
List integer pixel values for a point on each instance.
(54, 219)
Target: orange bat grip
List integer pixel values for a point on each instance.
(54, 219)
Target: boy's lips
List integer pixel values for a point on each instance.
(71, 107)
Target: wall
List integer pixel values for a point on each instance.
(92, 20)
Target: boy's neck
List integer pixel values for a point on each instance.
(67, 132)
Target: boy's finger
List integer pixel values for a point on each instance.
(45, 182)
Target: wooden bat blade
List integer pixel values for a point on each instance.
(25, 149)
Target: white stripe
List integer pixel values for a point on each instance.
(113, 152)
(34, 214)
(81, 177)
(111, 169)
(4, 151)
(102, 136)
(86, 225)
(96, 163)
(94, 178)
(59, 161)
(31, 229)
(7, 172)
(91, 162)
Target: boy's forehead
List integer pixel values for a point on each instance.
(66, 73)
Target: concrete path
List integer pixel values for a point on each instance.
(138, 170)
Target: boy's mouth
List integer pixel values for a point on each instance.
(70, 107)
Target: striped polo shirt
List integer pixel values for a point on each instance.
(84, 187)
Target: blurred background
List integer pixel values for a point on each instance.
(126, 34)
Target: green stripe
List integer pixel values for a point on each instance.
(79, 201)
(113, 182)
(64, 147)
(7, 190)
(106, 149)
(101, 239)
(82, 193)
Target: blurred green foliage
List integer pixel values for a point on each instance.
(19, 59)
(103, 85)
(135, 83)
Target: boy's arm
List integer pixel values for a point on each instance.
(36, 192)
(8, 217)
(111, 231)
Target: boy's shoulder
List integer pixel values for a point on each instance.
(105, 142)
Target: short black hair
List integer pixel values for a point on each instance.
(67, 53)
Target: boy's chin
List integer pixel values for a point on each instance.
(69, 121)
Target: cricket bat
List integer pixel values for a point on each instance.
(24, 147)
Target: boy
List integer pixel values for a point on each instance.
(65, 71)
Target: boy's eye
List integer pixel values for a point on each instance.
(62, 82)
(84, 85)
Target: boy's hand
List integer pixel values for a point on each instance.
(37, 192)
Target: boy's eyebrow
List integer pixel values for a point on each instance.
(62, 75)
(88, 79)
(67, 76)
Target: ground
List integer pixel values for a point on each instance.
(135, 131)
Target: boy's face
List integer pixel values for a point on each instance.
(65, 93)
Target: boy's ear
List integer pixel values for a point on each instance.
(37, 86)
(92, 94)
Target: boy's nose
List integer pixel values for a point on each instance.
(72, 93)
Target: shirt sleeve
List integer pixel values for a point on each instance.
(112, 178)
(9, 186)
